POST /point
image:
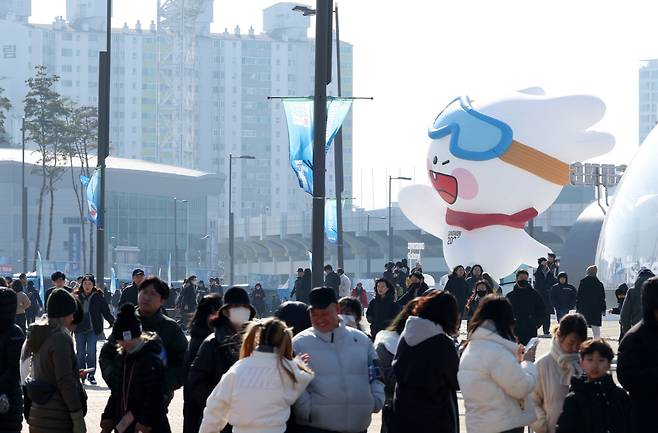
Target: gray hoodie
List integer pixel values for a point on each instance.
(341, 397)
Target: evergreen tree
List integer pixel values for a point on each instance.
(5, 106)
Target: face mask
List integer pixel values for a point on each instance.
(523, 283)
(348, 320)
(239, 315)
(481, 294)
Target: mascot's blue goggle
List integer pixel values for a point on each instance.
(473, 135)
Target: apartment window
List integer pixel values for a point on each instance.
(67, 83)
(67, 68)
(67, 52)
(9, 51)
(67, 36)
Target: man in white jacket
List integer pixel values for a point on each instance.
(345, 392)
(345, 287)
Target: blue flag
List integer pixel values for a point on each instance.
(299, 116)
(113, 282)
(93, 196)
(42, 286)
(330, 221)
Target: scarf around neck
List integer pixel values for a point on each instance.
(568, 362)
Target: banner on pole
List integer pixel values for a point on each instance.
(169, 271)
(113, 282)
(93, 196)
(299, 116)
(330, 221)
(42, 286)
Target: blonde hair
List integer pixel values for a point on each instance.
(271, 332)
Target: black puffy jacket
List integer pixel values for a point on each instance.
(528, 309)
(543, 285)
(426, 387)
(143, 378)
(637, 369)
(563, 297)
(459, 288)
(11, 341)
(217, 354)
(381, 311)
(599, 406)
(98, 310)
(591, 300)
(191, 411)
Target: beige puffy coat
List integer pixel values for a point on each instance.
(554, 372)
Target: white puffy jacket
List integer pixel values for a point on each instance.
(496, 388)
(254, 396)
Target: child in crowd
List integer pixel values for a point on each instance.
(351, 312)
(256, 393)
(555, 370)
(136, 402)
(595, 404)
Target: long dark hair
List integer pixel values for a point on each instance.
(307, 277)
(208, 305)
(397, 324)
(497, 309)
(454, 271)
(389, 293)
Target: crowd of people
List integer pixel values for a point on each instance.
(328, 360)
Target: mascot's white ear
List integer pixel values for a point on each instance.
(537, 91)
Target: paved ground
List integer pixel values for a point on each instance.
(98, 394)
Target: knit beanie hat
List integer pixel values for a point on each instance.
(8, 301)
(126, 327)
(60, 304)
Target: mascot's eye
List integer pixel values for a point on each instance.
(436, 159)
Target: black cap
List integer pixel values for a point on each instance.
(137, 272)
(300, 269)
(237, 296)
(322, 297)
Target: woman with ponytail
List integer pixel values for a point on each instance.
(256, 393)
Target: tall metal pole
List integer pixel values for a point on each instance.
(176, 240)
(230, 219)
(187, 237)
(103, 143)
(322, 77)
(368, 253)
(24, 202)
(390, 224)
(338, 161)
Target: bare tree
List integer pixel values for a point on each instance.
(82, 136)
(5, 106)
(44, 109)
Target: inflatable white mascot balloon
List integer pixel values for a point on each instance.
(494, 165)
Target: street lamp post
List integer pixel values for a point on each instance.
(338, 140)
(231, 240)
(390, 222)
(175, 239)
(368, 216)
(24, 201)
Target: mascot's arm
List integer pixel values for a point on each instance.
(423, 207)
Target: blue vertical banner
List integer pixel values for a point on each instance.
(169, 271)
(113, 281)
(330, 221)
(42, 286)
(93, 196)
(299, 116)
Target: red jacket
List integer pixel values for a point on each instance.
(363, 298)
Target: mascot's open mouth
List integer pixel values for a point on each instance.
(445, 185)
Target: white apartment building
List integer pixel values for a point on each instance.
(234, 73)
